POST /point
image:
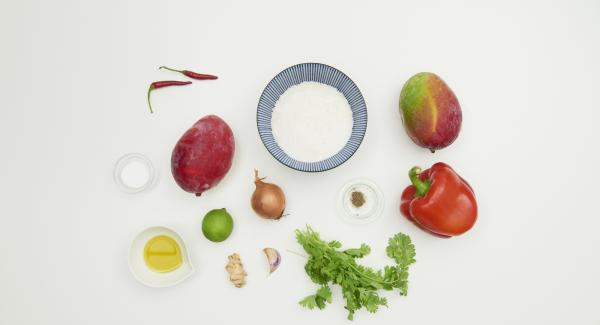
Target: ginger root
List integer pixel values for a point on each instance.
(235, 268)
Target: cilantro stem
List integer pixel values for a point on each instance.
(368, 277)
(296, 253)
(327, 248)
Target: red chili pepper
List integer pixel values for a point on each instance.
(192, 74)
(162, 84)
(439, 201)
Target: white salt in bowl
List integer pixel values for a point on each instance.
(298, 157)
(134, 173)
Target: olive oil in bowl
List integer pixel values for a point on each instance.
(162, 254)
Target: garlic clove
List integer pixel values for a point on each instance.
(273, 257)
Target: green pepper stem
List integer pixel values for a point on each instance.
(422, 187)
(167, 68)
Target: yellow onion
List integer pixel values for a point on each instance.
(268, 200)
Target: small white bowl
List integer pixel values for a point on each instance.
(367, 213)
(140, 270)
(125, 161)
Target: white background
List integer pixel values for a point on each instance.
(73, 87)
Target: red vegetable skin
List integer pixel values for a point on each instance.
(192, 74)
(407, 196)
(162, 84)
(439, 201)
(203, 155)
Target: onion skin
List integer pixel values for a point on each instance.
(268, 200)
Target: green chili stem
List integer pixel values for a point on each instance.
(150, 104)
(167, 68)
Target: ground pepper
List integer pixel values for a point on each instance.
(358, 199)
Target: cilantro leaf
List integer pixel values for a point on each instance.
(401, 249)
(324, 294)
(319, 299)
(309, 302)
(358, 252)
(335, 244)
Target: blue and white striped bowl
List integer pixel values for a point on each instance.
(319, 73)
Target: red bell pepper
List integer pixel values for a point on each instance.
(439, 201)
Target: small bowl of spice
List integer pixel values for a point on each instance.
(311, 117)
(360, 202)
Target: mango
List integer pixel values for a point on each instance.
(203, 155)
(430, 111)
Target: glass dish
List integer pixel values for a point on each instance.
(134, 173)
(371, 202)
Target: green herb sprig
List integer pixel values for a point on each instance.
(327, 264)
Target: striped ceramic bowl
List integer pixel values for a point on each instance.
(319, 73)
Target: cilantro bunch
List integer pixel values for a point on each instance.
(327, 264)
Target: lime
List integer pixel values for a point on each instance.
(217, 225)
